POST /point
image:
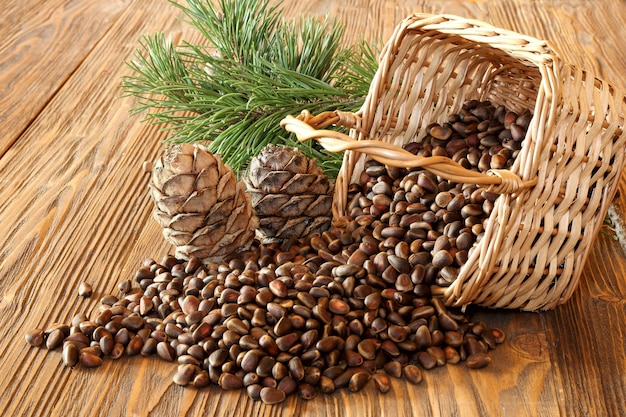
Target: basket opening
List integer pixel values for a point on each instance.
(432, 74)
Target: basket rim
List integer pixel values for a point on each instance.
(482, 32)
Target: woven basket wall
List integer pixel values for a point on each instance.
(552, 201)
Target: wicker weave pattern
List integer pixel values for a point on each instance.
(554, 199)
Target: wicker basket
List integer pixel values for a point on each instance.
(554, 198)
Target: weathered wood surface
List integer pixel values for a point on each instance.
(74, 207)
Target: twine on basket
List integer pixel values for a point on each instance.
(500, 181)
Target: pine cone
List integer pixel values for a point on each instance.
(203, 209)
(291, 195)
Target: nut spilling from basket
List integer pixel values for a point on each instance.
(470, 204)
(335, 309)
(430, 223)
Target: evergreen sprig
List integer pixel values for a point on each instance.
(254, 69)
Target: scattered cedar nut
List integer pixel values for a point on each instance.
(327, 311)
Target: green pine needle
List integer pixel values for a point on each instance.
(252, 69)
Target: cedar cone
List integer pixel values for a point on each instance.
(203, 209)
(291, 195)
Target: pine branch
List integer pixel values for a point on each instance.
(254, 69)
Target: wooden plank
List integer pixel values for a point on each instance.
(587, 336)
(74, 207)
(78, 210)
(40, 48)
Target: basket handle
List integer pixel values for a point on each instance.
(500, 181)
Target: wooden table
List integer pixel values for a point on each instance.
(74, 207)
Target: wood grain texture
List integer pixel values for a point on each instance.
(40, 47)
(74, 207)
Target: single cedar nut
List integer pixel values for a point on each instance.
(270, 395)
(35, 337)
(85, 289)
